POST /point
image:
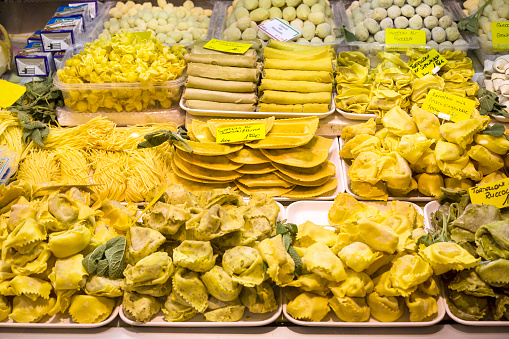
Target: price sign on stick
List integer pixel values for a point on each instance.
(448, 106)
(428, 64)
(279, 30)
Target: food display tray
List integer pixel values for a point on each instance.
(432, 207)
(61, 321)
(220, 24)
(248, 320)
(317, 212)
(414, 196)
(356, 116)
(375, 47)
(242, 114)
(334, 158)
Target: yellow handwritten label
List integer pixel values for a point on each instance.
(240, 133)
(500, 35)
(227, 46)
(428, 64)
(10, 93)
(448, 106)
(394, 36)
(494, 193)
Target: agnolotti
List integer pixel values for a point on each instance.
(69, 273)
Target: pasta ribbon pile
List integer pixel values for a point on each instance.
(365, 90)
(143, 65)
(418, 152)
(99, 153)
(10, 134)
(369, 266)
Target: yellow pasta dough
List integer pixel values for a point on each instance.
(87, 309)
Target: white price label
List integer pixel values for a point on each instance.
(279, 30)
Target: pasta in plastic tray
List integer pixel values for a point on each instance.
(317, 212)
(356, 116)
(61, 321)
(413, 196)
(432, 207)
(241, 114)
(249, 319)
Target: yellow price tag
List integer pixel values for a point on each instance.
(240, 133)
(448, 106)
(428, 64)
(394, 36)
(500, 35)
(227, 46)
(10, 93)
(494, 193)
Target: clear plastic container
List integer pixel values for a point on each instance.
(485, 50)
(375, 47)
(98, 27)
(222, 17)
(117, 97)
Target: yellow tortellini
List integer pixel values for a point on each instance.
(5, 308)
(409, 271)
(281, 265)
(320, 260)
(358, 256)
(66, 243)
(26, 310)
(310, 233)
(103, 287)
(308, 306)
(90, 309)
(356, 285)
(350, 309)
(378, 237)
(385, 309)
(446, 256)
(421, 306)
(69, 273)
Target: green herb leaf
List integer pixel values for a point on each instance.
(343, 32)
(471, 22)
(159, 137)
(107, 259)
(296, 259)
(495, 130)
(91, 261)
(287, 241)
(115, 255)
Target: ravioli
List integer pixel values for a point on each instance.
(302, 192)
(256, 168)
(309, 155)
(248, 156)
(270, 192)
(204, 173)
(263, 180)
(217, 162)
(201, 132)
(72, 241)
(323, 170)
(26, 310)
(209, 148)
(320, 260)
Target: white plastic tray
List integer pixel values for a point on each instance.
(356, 116)
(428, 209)
(248, 320)
(334, 158)
(317, 212)
(61, 321)
(415, 195)
(499, 118)
(241, 114)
